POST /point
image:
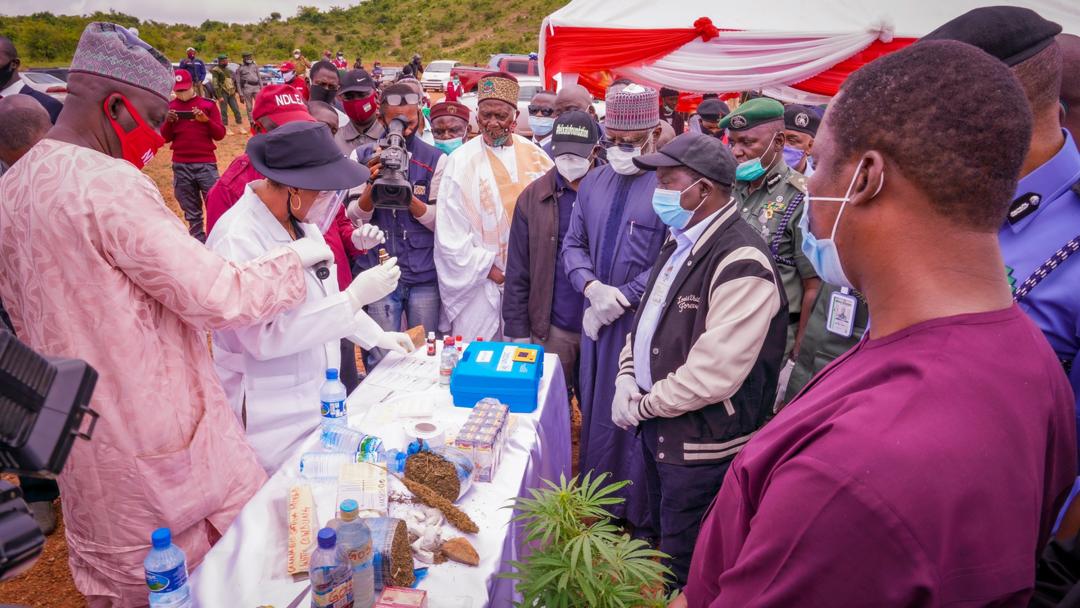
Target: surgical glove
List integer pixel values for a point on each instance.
(395, 342)
(591, 324)
(311, 250)
(353, 211)
(519, 340)
(374, 284)
(367, 237)
(624, 406)
(609, 302)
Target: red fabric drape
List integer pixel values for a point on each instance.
(829, 81)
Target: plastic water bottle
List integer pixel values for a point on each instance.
(331, 576)
(354, 538)
(346, 440)
(332, 404)
(166, 572)
(324, 465)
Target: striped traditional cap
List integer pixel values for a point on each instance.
(110, 50)
(498, 85)
(634, 108)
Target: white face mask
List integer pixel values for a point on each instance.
(324, 209)
(288, 76)
(572, 167)
(622, 161)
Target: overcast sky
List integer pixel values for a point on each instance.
(185, 11)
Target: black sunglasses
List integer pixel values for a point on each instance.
(534, 110)
(401, 99)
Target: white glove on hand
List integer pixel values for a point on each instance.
(519, 340)
(367, 237)
(395, 342)
(374, 284)
(353, 211)
(312, 250)
(609, 302)
(591, 324)
(624, 412)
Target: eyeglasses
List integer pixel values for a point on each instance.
(401, 99)
(625, 146)
(537, 110)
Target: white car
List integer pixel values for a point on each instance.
(437, 74)
(45, 83)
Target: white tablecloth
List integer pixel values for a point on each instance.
(247, 567)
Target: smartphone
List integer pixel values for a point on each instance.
(188, 114)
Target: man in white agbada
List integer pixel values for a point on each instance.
(480, 185)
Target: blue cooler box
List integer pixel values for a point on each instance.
(508, 372)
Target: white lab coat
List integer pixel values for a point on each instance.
(273, 371)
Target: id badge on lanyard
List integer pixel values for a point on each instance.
(841, 320)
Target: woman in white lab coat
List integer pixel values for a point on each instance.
(272, 372)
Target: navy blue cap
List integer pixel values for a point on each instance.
(574, 132)
(705, 154)
(801, 119)
(1011, 33)
(327, 538)
(304, 155)
(713, 109)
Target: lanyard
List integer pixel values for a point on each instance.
(1046, 268)
(774, 246)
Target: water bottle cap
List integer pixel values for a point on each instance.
(332, 374)
(327, 538)
(349, 507)
(161, 538)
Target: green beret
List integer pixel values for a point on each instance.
(753, 113)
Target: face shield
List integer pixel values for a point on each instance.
(325, 209)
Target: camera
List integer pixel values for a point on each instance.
(43, 404)
(392, 189)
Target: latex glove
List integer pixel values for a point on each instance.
(311, 250)
(624, 412)
(609, 302)
(355, 214)
(367, 237)
(591, 324)
(519, 340)
(395, 342)
(374, 284)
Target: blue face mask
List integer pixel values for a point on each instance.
(541, 125)
(449, 145)
(822, 253)
(748, 171)
(668, 206)
(792, 156)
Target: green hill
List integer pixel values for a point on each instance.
(385, 30)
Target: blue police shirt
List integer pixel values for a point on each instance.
(1054, 304)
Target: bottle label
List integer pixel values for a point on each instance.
(359, 557)
(333, 409)
(167, 580)
(331, 593)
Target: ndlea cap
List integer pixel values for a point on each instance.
(705, 154)
(574, 132)
(183, 80)
(281, 102)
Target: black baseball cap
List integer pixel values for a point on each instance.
(574, 132)
(357, 80)
(713, 109)
(1011, 33)
(304, 155)
(705, 154)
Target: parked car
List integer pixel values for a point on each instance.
(518, 65)
(437, 74)
(45, 83)
(389, 74)
(61, 73)
(270, 74)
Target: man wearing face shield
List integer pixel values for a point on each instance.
(272, 371)
(770, 196)
(610, 247)
(480, 186)
(697, 376)
(192, 126)
(409, 233)
(96, 266)
(359, 96)
(540, 305)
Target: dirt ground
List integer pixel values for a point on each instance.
(48, 584)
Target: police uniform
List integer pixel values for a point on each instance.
(775, 208)
(837, 322)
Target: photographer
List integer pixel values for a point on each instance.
(409, 232)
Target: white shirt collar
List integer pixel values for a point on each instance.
(13, 87)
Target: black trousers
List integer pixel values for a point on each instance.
(191, 184)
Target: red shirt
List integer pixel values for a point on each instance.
(924, 468)
(301, 86)
(341, 64)
(453, 91)
(230, 187)
(193, 141)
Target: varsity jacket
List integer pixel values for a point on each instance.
(716, 353)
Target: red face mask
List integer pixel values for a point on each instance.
(140, 144)
(360, 110)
